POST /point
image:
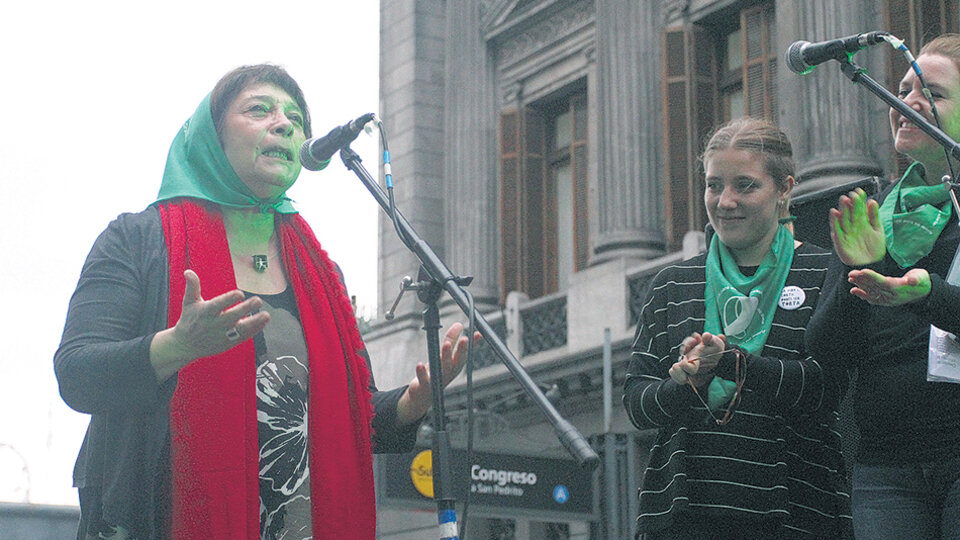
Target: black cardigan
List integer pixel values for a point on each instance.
(902, 418)
(103, 369)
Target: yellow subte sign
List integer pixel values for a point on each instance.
(421, 472)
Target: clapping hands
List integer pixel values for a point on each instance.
(856, 231)
(699, 356)
(859, 239)
(890, 291)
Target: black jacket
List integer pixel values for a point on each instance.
(103, 369)
(902, 418)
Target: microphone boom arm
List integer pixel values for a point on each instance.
(569, 436)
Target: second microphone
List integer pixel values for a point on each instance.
(315, 153)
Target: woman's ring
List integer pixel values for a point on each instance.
(233, 334)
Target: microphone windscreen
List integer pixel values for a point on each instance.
(794, 58)
(307, 160)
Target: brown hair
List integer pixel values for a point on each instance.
(760, 136)
(231, 84)
(947, 45)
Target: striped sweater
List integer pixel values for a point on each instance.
(779, 456)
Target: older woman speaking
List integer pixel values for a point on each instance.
(245, 408)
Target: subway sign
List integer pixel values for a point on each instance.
(499, 484)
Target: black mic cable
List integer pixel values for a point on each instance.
(899, 45)
(388, 179)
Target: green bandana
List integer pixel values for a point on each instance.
(197, 167)
(742, 307)
(913, 216)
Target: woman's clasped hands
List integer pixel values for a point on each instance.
(699, 356)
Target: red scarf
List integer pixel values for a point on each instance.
(213, 413)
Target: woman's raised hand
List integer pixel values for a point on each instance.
(416, 401)
(856, 231)
(205, 327)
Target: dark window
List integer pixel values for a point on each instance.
(759, 62)
(544, 229)
(713, 72)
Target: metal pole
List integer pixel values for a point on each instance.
(607, 381)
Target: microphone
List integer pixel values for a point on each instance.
(803, 56)
(316, 152)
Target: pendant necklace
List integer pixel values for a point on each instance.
(260, 263)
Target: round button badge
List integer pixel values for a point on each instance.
(792, 297)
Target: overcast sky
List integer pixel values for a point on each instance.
(93, 94)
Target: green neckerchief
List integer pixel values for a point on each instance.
(913, 216)
(197, 167)
(742, 307)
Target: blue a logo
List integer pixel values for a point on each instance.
(561, 494)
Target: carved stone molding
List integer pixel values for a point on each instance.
(484, 10)
(492, 10)
(674, 10)
(590, 53)
(555, 27)
(512, 92)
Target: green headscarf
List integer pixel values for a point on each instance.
(197, 167)
(913, 216)
(742, 307)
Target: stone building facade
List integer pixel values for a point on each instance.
(548, 149)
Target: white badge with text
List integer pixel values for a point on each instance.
(792, 297)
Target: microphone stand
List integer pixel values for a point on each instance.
(435, 278)
(859, 75)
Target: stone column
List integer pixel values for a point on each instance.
(469, 187)
(412, 107)
(411, 103)
(629, 220)
(839, 129)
